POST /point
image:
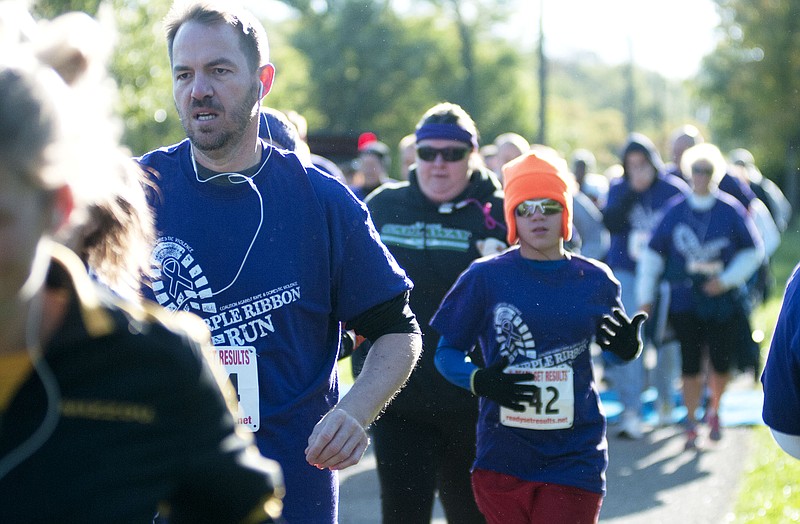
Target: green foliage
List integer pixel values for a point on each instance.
(752, 81)
(370, 70)
(51, 8)
(142, 70)
(292, 73)
(350, 66)
(587, 107)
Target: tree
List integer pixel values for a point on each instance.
(752, 82)
(51, 8)
(141, 67)
(351, 66)
(364, 66)
(372, 69)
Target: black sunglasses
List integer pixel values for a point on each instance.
(699, 170)
(449, 154)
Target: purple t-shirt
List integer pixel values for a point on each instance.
(274, 268)
(542, 316)
(697, 245)
(643, 215)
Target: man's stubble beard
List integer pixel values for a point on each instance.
(243, 114)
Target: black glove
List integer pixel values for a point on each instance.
(347, 345)
(621, 335)
(503, 388)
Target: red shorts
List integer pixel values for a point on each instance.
(504, 499)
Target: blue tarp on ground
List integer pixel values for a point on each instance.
(739, 407)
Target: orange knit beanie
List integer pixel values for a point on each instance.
(529, 177)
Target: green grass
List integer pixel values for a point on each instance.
(770, 492)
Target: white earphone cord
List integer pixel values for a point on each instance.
(52, 391)
(249, 180)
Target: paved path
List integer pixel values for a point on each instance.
(650, 481)
(655, 481)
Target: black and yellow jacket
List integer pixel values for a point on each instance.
(123, 416)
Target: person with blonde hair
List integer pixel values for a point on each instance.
(706, 247)
(110, 410)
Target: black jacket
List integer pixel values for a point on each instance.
(140, 422)
(434, 243)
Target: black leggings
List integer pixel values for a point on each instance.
(695, 333)
(417, 455)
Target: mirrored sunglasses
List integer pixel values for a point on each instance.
(449, 154)
(545, 206)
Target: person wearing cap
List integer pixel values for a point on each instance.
(706, 247)
(373, 164)
(446, 215)
(275, 128)
(534, 310)
(771, 213)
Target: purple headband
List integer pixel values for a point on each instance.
(446, 131)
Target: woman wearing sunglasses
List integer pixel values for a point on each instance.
(448, 213)
(706, 247)
(533, 312)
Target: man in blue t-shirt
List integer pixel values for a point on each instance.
(264, 249)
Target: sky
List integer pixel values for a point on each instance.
(667, 36)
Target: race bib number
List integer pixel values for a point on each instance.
(707, 268)
(637, 242)
(239, 364)
(552, 405)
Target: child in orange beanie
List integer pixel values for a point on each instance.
(534, 310)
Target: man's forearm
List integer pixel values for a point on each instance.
(386, 369)
(788, 443)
